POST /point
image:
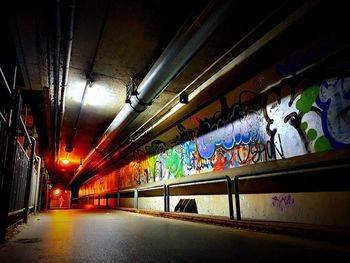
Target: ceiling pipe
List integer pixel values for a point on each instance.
(46, 91)
(89, 78)
(119, 152)
(56, 64)
(69, 147)
(173, 59)
(48, 94)
(65, 69)
(135, 136)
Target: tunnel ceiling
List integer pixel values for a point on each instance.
(112, 42)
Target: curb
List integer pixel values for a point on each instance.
(319, 232)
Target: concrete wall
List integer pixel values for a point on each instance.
(127, 202)
(269, 117)
(206, 204)
(324, 208)
(151, 203)
(258, 121)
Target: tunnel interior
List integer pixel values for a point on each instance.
(231, 109)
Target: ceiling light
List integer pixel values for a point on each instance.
(65, 161)
(95, 95)
(76, 90)
(98, 95)
(57, 191)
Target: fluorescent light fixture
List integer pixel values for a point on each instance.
(95, 95)
(76, 90)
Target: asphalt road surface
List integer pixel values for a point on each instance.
(117, 236)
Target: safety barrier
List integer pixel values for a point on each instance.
(321, 174)
(166, 193)
(310, 177)
(229, 190)
(19, 181)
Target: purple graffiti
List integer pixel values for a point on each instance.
(282, 201)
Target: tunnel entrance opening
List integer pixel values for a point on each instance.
(60, 199)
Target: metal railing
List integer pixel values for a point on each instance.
(229, 190)
(166, 192)
(119, 194)
(278, 173)
(150, 188)
(19, 179)
(297, 174)
(16, 167)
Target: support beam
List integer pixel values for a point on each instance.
(29, 181)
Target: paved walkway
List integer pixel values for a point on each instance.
(117, 236)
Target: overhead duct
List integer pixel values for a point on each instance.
(65, 69)
(56, 69)
(89, 79)
(173, 59)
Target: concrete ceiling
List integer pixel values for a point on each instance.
(132, 36)
(115, 40)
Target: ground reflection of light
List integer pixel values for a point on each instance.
(59, 232)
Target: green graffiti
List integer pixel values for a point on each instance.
(308, 97)
(152, 163)
(172, 163)
(312, 134)
(322, 144)
(303, 126)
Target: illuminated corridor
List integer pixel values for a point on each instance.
(115, 236)
(119, 120)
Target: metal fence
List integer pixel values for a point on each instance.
(4, 136)
(20, 172)
(32, 196)
(18, 180)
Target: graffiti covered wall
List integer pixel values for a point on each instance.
(99, 185)
(244, 127)
(270, 117)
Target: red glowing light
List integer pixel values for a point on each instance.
(57, 192)
(65, 161)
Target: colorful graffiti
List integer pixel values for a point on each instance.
(98, 185)
(288, 120)
(292, 119)
(298, 116)
(334, 100)
(229, 131)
